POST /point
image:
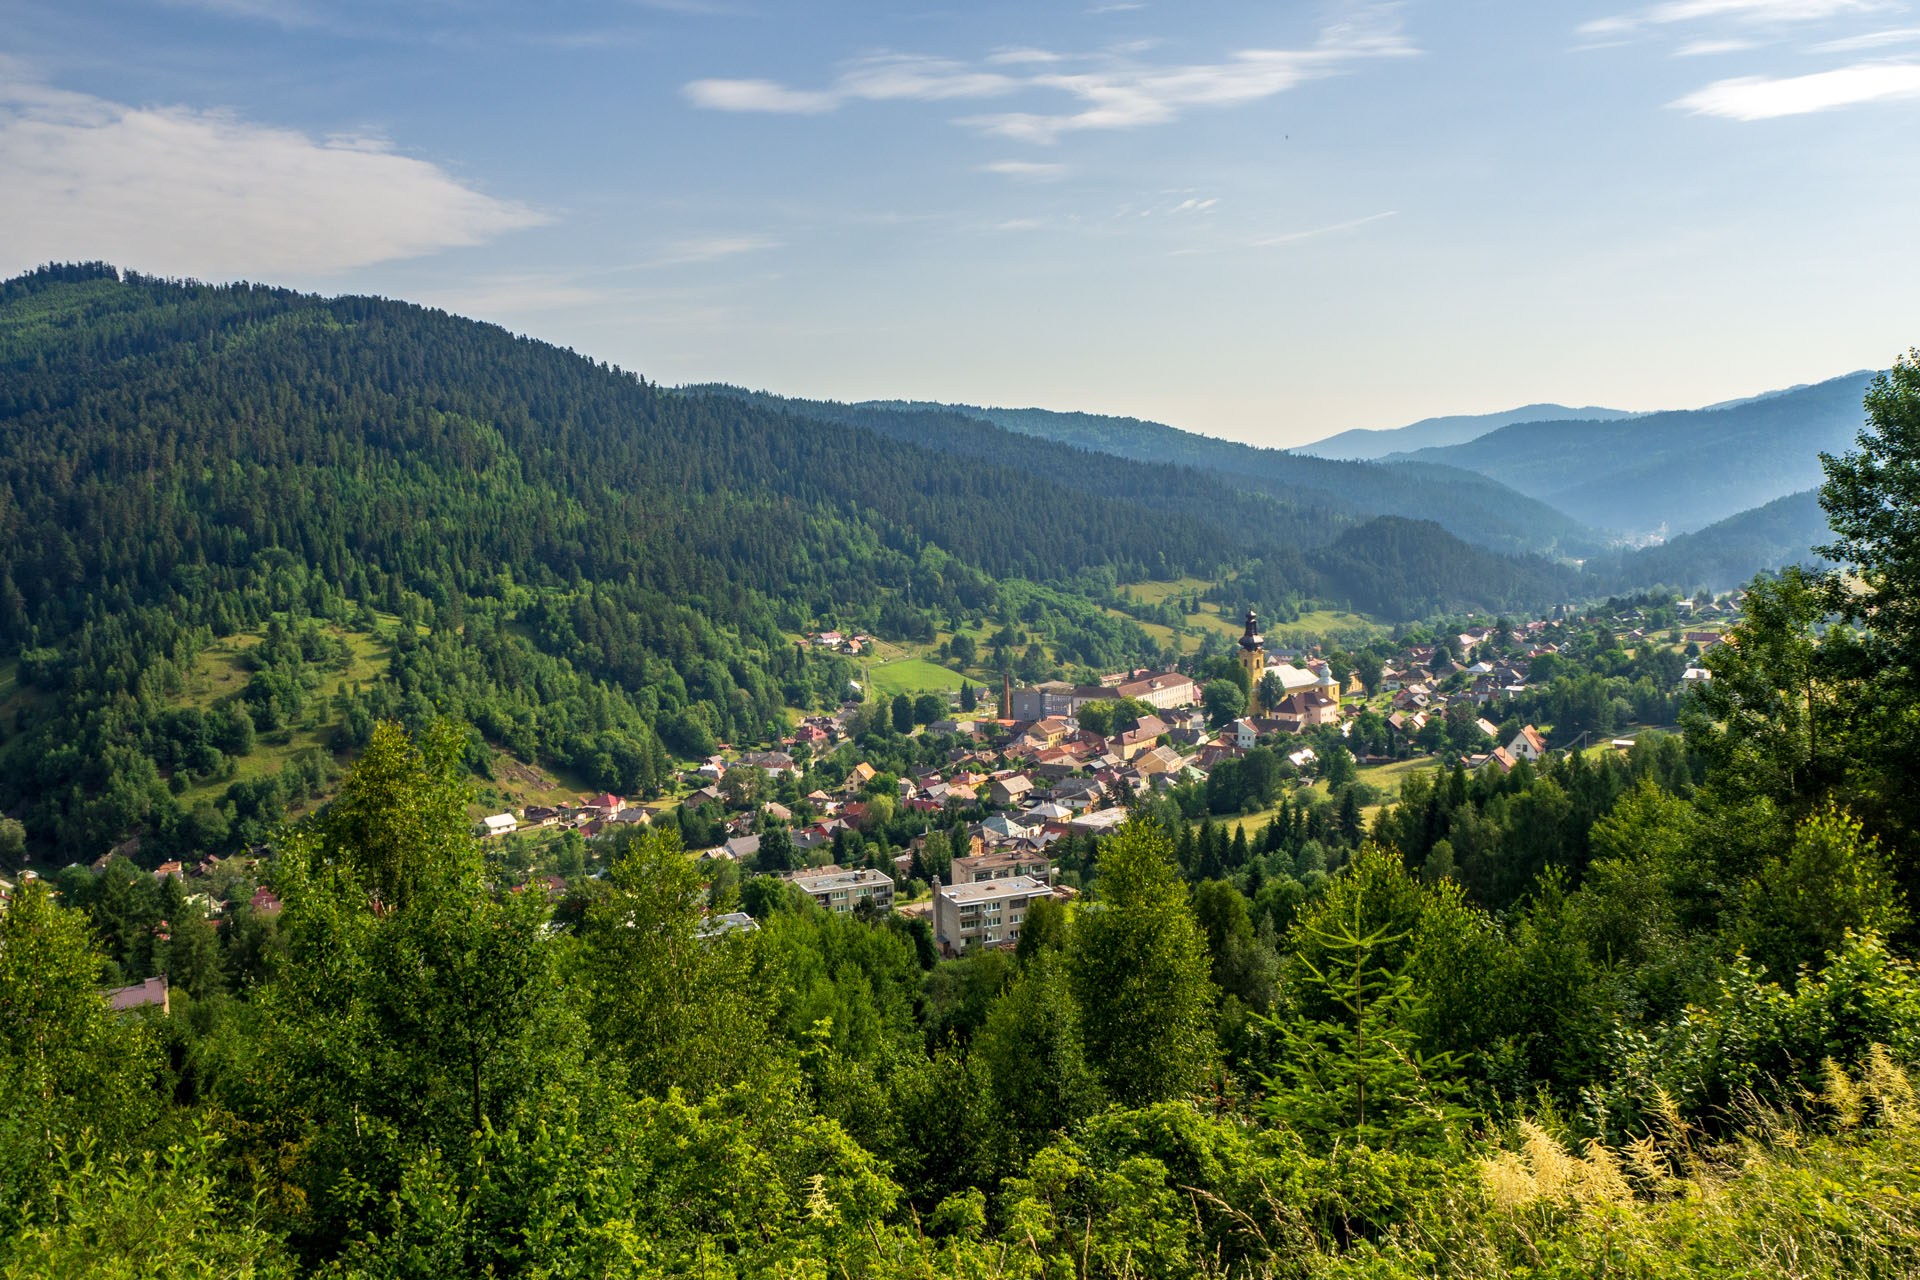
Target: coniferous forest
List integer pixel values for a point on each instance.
(1649, 1013)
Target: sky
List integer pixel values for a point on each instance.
(1264, 221)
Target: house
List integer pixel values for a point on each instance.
(740, 848)
(985, 913)
(1310, 706)
(141, 995)
(1243, 733)
(1696, 675)
(499, 824)
(1158, 760)
(607, 803)
(265, 902)
(1487, 728)
(1527, 745)
(1098, 822)
(169, 870)
(1141, 737)
(1501, 759)
(859, 777)
(1212, 753)
(1302, 758)
(841, 891)
(1006, 792)
(722, 925)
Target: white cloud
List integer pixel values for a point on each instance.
(882, 78)
(1761, 98)
(758, 95)
(1117, 93)
(1871, 40)
(1193, 204)
(1022, 55)
(1128, 97)
(1024, 169)
(1750, 11)
(204, 193)
(1705, 48)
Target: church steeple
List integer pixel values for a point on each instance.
(1253, 657)
(1253, 641)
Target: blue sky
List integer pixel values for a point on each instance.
(1269, 221)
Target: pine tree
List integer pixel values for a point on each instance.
(1355, 1077)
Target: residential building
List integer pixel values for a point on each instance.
(986, 913)
(838, 890)
(1162, 690)
(1009, 791)
(1527, 745)
(1002, 864)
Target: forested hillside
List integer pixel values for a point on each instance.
(1334, 494)
(1728, 552)
(1681, 470)
(595, 574)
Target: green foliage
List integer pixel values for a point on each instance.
(1139, 968)
(1833, 881)
(68, 1067)
(118, 1216)
(641, 954)
(1033, 1050)
(398, 827)
(1357, 1077)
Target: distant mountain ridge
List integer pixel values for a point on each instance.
(1367, 443)
(1676, 471)
(1469, 506)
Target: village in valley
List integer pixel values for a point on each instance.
(1008, 791)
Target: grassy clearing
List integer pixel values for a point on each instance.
(1317, 624)
(1155, 592)
(1386, 777)
(912, 676)
(221, 670)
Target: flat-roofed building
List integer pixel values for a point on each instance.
(838, 890)
(985, 913)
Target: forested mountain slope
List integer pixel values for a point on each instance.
(1683, 470)
(596, 574)
(1364, 443)
(1727, 553)
(1466, 505)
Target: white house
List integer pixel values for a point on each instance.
(1527, 745)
